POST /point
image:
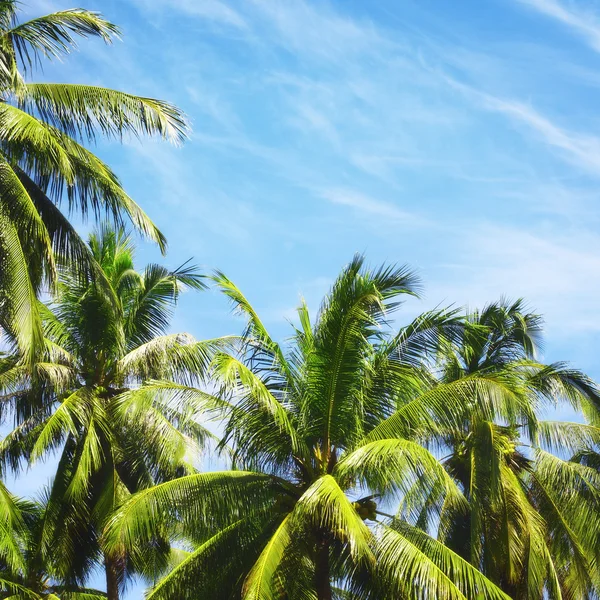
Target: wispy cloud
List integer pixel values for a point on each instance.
(553, 269)
(314, 100)
(211, 10)
(212, 104)
(367, 205)
(314, 29)
(581, 149)
(583, 22)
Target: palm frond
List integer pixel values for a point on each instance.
(257, 412)
(73, 411)
(564, 436)
(81, 111)
(408, 555)
(324, 505)
(12, 531)
(52, 35)
(395, 465)
(422, 339)
(260, 583)
(20, 307)
(176, 357)
(201, 501)
(256, 333)
(57, 163)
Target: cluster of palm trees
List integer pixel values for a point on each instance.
(360, 461)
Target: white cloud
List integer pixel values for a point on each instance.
(317, 121)
(556, 271)
(581, 149)
(214, 105)
(579, 20)
(314, 30)
(211, 10)
(366, 204)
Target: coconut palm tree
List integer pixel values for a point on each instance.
(324, 435)
(14, 533)
(23, 573)
(533, 519)
(44, 163)
(97, 346)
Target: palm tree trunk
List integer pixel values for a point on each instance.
(322, 578)
(111, 567)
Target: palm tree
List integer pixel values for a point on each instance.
(323, 437)
(97, 346)
(23, 575)
(533, 520)
(43, 161)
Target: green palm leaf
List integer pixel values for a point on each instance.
(82, 110)
(408, 555)
(51, 36)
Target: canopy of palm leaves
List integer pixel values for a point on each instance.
(24, 575)
(44, 163)
(99, 342)
(324, 436)
(533, 520)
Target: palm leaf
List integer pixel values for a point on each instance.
(81, 110)
(201, 500)
(21, 316)
(51, 36)
(57, 162)
(260, 584)
(409, 555)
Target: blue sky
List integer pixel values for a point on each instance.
(462, 138)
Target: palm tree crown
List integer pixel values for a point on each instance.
(43, 161)
(99, 342)
(521, 529)
(24, 575)
(322, 437)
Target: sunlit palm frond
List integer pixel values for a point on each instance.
(19, 308)
(564, 436)
(407, 555)
(422, 339)
(81, 111)
(152, 299)
(395, 465)
(264, 350)
(52, 35)
(213, 565)
(74, 411)
(176, 357)
(12, 531)
(261, 582)
(325, 505)
(201, 501)
(258, 416)
(57, 163)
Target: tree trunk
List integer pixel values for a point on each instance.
(111, 567)
(322, 577)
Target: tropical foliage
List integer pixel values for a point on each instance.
(358, 461)
(531, 514)
(24, 575)
(97, 345)
(351, 418)
(43, 162)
